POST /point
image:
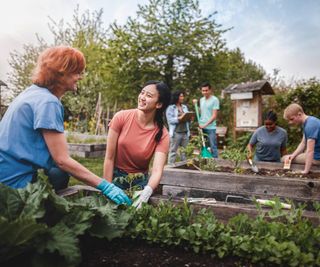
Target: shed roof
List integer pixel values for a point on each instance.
(2, 83)
(261, 85)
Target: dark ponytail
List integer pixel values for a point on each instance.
(164, 99)
(159, 120)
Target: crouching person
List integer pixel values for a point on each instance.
(135, 137)
(32, 132)
(308, 151)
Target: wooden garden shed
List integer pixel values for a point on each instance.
(247, 104)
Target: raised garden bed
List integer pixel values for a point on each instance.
(226, 186)
(86, 145)
(74, 231)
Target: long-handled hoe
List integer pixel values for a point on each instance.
(204, 150)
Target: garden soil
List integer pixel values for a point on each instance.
(264, 172)
(128, 252)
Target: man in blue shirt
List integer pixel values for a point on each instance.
(209, 106)
(294, 114)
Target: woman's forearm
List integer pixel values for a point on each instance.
(79, 171)
(108, 169)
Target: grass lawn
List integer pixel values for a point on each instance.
(93, 164)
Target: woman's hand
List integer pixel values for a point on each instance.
(144, 196)
(114, 193)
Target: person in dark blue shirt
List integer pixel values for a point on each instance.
(308, 151)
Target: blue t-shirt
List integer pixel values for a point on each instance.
(207, 106)
(269, 144)
(311, 130)
(22, 147)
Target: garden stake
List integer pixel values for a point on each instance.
(287, 164)
(204, 150)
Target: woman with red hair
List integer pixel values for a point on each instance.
(32, 133)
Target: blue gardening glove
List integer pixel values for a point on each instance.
(144, 196)
(114, 193)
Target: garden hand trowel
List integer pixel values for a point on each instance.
(253, 166)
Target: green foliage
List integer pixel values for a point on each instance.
(22, 65)
(88, 34)
(37, 221)
(172, 41)
(194, 144)
(130, 179)
(305, 93)
(285, 239)
(235, 155)
(208, 164)
(93, 164)
(166, 40)
(162, 42)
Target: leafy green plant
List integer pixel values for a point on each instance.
(37, 221)
(193, 146)
(208, 164)
(131, 178)
(277, 237)
(235, 155)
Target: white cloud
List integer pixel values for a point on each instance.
(268, 32)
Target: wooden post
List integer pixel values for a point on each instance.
(260, 119)
(234, 106)
(98, 114)
(115, 107)
(108, 118)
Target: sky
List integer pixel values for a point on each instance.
(276, 34)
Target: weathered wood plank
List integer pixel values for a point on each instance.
(224, 212)
(80, 147)
(75, 189)
(243, 184)
(228, 197)
(245, 165)
(87, 150)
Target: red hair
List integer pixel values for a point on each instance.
(55, 63)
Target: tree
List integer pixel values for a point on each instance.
(162, 42)
(88, 34)
(167, 40)
(305, 93)
(22, 65)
